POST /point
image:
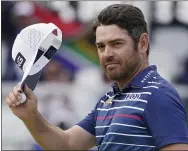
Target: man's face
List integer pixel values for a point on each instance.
(116, 51)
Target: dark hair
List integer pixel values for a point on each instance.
(125, 16)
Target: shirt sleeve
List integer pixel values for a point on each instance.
(165, 118)
(88, 123)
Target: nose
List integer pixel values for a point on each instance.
(108, 52)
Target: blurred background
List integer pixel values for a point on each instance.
(73, 81)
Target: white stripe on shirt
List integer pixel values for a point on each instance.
(127, 125)
(126, 144)
(151, 87)
(154, 82)
(139, 100)
(123, 134)
(114, 108)
(138, 93)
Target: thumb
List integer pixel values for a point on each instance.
(29, 93)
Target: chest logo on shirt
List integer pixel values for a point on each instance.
(132, 96)
(108, 101)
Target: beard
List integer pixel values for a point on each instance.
(123, 71)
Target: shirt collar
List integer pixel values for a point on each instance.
(139, 81)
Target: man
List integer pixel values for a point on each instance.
(142, 112)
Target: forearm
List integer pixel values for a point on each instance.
(47, 136)
(175, 147)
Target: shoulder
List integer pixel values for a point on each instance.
(163, 93)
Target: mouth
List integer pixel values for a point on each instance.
(111, 65)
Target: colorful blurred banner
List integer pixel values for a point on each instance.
(74, 54)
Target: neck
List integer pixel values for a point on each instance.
(121, 83)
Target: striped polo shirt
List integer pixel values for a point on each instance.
(146, 114)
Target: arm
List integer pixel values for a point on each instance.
(50, 137)
(165, 119)
(175, 147)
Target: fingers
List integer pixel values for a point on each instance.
(16, 89)
(29, 93)
(9, 102)
(17, 92)
(14, 97)
(27, 90)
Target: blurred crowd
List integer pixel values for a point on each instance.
(75, 18)
(165, 20)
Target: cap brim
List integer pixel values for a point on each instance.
(32, 80)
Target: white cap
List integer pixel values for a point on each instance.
(33, 48)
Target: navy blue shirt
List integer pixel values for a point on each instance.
(146, 114)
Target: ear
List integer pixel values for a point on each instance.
(143, 43)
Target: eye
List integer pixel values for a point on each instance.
(117, 44)
(100, 46)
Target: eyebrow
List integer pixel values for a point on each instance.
(111, 41)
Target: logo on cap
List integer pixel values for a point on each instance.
(20, 60)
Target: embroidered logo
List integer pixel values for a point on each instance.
(108, 101)
(147, 76)
(20, 60)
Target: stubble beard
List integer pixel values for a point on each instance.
(123, 73)
(120, 74)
